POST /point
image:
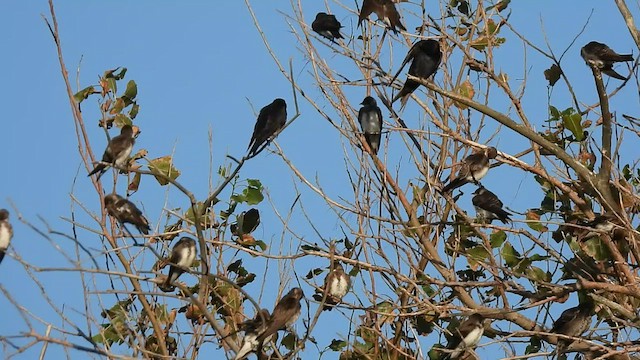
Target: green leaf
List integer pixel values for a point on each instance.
(121, 120)
(573, 122)
(131, 92)
(162, 168)
(533, 221)
(134, 111)
(497, 239)
(337, 345)
(83, 94)
(552, 74)
(289, 341)
(555, 114)
(253, 192)
(117, 106)
(476, 254)
(538, 274)
(510, 256)
(112, 85)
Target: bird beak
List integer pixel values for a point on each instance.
(136, 131)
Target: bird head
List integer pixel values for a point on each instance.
(368, 101)
(4, 214)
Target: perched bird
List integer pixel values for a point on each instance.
(425, 56)
(573, 322)
(488, 206)
(370, 119)
(386, 11)
(6, 232)
(336, 285)
(285, 313)
(117, 151)
(125, 211)
(466, 336)
(182, 256)
(474, 167)
(270, 120)
(601, 56)
(327, 26)
(252, 330)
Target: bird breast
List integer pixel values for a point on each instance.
(124, 155)
(339, 287)
(371, 122)
(187, 256)
(473, 337)
(5, 236)
(480, 173)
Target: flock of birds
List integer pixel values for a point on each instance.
(425, 57)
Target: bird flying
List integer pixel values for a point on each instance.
(270, 120)
(370, 119)
(182, 256)
(602, 57)
(425, 56)
(117, 151)
(474, 167)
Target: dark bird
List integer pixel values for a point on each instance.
(327, 26)
(253, 328)
(117, 151)
(602, 57)
(270, 120)
(336, 285)
(488, 206)
(386, 11)
(466, 336)
(6, 232)
(182, 256)
(474, 167)
(125, 211)
(370, 118)
(425, 56)
(573, 322)
(285, 313)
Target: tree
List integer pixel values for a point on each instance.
(419, 260)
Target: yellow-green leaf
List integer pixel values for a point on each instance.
(466, 90)
(162, 168)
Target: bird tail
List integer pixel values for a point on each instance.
(454, 184)
(620, 58)
(614, 74)
(504, 216)
(2, 252)
(99, 169)
(167, 285)
(143, 228)
(248, 346)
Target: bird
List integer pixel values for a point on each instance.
(253, 328)
(386, 11)
(327, 26)
(6, 232)
(474, 167)
(182, 256)
(602, 57)
(370, 119)
(336, 285)
(573, 322)
(270, 120)
(465, 336)
(125, 211)
(425, 56)
(285, 313)
(488, 206)
(117, 151)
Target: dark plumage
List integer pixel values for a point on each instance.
(6, 232)
(602, 57)
(285, 313)
(327, 26)
(182, 256)
(117, 151)
(270, 120)
(386, 11)
(124, 211)
(466, 336)
(573, 322)
(474, 167)
(370, 119)
(488, 206)
(336, 285)
(252, 330)
(425, 56)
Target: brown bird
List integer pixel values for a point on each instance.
(125, 211)
(182, 256)
(6, 232)
(386, 11)
(270, 120)
(425, 56)
(327, 26)
(465, 336)
(474, 167)
(488, 206)
(602, 57)
(573, 322)
(117, 151)
(285, 313)
(252, 330)
(336, 285)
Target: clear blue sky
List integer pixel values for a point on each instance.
(196, 64)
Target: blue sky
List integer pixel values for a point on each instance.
(198, 67)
